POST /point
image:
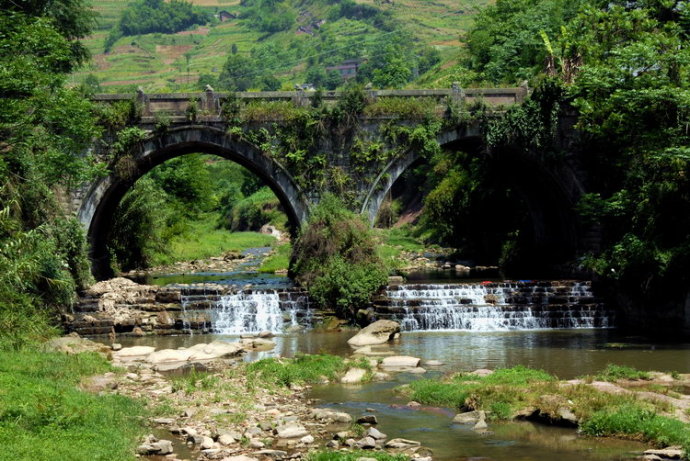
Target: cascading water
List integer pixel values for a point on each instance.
(494, 306)
(247, 311)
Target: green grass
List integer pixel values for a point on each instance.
(353, 456)
(203, 240)
(615, 372)
(600, 414)
(304, 369)
(396, 240)
(43, 416)
(278, 261)
(632, 421)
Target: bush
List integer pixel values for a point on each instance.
(335, 258)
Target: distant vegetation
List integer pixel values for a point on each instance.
(184, 208)
(150, 16)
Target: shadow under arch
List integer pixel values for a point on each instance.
(549, 189)
(98, 206)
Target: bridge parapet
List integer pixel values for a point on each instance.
(208, 104)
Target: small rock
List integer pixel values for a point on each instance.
(226, 439)
(275, 454)
(163, 421)
(482, 372)
(376, 434)
(323, 414)
(402, 443)
(414, 404)
(351, 442)
(667, 453)
(307, 439)
(116, 347)
(189, 412)
(341, 435)
(239, 458)
(163, 447)
(291, 431)
(481, 422)
(433, 363)
(333, 444)
(254, 443)
(354, 376)
(366, 443)
(367, 419)
(252, 431)
(469, 417)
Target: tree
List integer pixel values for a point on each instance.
(238, 73)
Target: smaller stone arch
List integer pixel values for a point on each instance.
(395, 168)
(98, 205)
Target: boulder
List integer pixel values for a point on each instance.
(378, 332)
(354, 376)
(470, 417)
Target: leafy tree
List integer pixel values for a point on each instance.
(238, 73)
(150, 16)
(334, 257)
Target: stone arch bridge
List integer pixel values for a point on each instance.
(199, 123)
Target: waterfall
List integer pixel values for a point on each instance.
(494, 306)
(249, 311)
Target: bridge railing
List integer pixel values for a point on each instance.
(210, 102)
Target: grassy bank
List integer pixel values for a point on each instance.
(202, 239)
(277, 261)
(44, 416)
(509, 392)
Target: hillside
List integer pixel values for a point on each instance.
(317, 37)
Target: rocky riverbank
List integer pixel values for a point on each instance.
(210, 405)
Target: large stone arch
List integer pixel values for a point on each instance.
(97, 207)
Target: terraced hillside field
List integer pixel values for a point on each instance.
(175, 62)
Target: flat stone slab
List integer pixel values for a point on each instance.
(400, 361)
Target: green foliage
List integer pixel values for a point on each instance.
(508, 390)
(633, 421)
(44, 416)
(147, 16)
(304, 369)
(335, 258)
(252, 212)
(505, 42)
(616, 372)
(45, 130)
(278, 261)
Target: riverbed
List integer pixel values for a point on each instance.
(564, 353)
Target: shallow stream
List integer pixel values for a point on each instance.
(565, 353)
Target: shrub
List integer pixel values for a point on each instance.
(335, 258)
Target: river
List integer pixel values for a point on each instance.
(566, 353)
